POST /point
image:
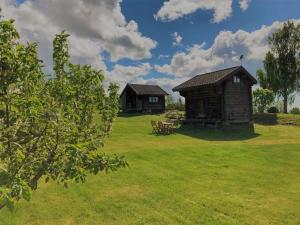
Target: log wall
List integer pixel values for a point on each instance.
(203, 101)
(238, 101)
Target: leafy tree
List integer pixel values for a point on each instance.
(169, 100)
(281, 72)
(180, 101)
(279, 105)
(180, 104)
(263, 98)
(50, 128)
(172, 105)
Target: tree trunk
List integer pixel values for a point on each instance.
(285, 103)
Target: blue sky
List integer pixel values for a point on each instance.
(155, 41)
(197, 28)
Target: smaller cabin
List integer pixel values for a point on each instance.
(143, 98)
(223, 97)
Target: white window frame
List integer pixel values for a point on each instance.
(153, 99)
(236, 79)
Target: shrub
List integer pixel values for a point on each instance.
(175, 106)
(295, 110)
(273, 109)
(174, 114)
(262, 98)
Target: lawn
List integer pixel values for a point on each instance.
(192, 177)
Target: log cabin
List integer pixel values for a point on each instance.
(143, 98)
(223, 97)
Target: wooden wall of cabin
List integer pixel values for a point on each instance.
(139, 103)
(130, 100)
(148, 106)
(237, 99)
(203, 101)
(123, 102)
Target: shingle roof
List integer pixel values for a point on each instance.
(145, 89)
(212, 78)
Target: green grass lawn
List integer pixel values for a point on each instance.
(192, 177)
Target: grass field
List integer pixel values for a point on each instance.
(192, 177)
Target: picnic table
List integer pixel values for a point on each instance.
(168, 127)
(162, 127)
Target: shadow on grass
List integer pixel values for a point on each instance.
(266, 119)
(216, 135)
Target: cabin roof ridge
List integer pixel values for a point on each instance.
(212, 78)
(146, 89)
(216, 71)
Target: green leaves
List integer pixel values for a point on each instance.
(50, 128)
(263, 98)
(282, 64)
(60, 54)
(6, 199)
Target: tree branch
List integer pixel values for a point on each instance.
(45, 164)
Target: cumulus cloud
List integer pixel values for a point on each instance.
(139, 74)
(224, 52)
(95, 25)
(192, 62)
(176, 38)
(244, 4)
(163, 56)
(128, 74)
(174, 9)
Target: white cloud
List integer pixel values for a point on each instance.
(137, 74)
(162, 56)
(95, 26)
(244, 4)
(225, 51)
(177, 38)
(174, 9)
(192, 62)
(128, 74)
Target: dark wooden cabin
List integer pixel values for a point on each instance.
(223, 96)
(143, 98)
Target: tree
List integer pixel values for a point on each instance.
(169, 100)
(263, 98)
(180, 101)
(50, 128)
(281, 72)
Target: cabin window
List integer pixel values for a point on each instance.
(236, 79)
(153, 99)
